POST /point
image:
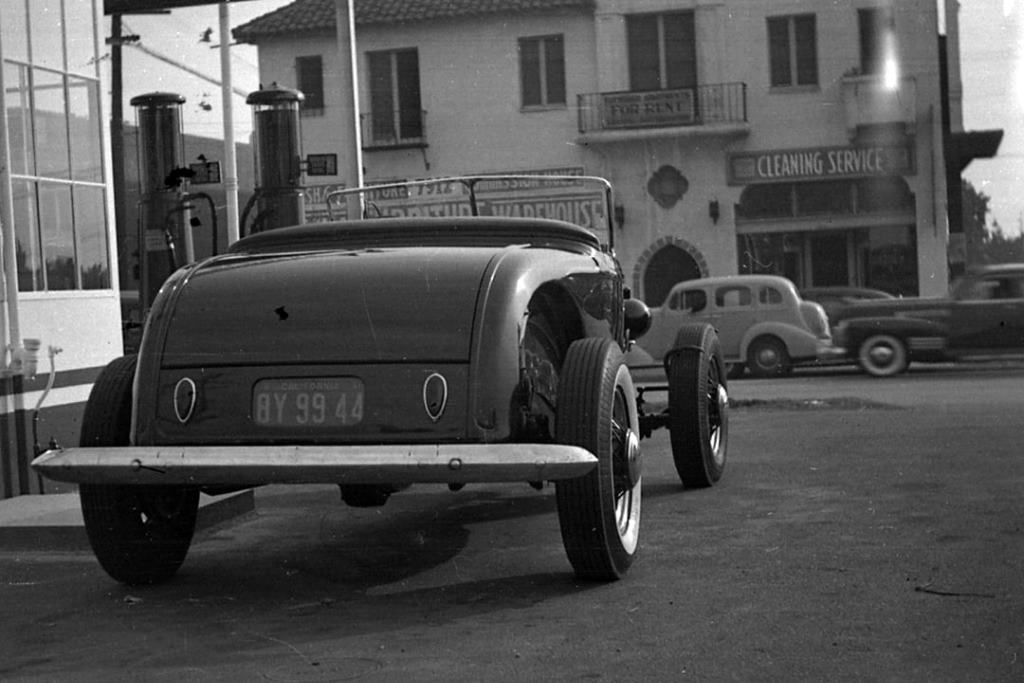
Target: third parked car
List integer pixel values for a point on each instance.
(762, 323)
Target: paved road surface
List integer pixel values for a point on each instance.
(865, 530)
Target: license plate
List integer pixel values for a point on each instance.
(308, 402)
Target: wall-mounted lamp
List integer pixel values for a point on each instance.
(619, 215)
(714, 211)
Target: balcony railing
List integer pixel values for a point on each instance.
(699, 106)
(869, 101)
(393, 129)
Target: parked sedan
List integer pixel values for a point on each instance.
(763, 324)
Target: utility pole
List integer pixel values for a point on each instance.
(117, 139)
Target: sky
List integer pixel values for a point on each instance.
(992, 71)
(178, 36)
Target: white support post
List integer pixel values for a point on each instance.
(230, 163)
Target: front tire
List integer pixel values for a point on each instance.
(883, 355)
(140, 534)
(599, 513)
(698, 404)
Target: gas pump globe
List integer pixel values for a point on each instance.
(278, 199)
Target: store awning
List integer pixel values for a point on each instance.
(966, 146)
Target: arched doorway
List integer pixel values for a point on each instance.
(666, 267)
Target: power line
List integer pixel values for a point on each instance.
(184, 67)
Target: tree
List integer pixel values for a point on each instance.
(986, 241)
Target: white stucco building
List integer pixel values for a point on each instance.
(788, 136)
(58, 284)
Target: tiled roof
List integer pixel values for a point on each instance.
(305, 16)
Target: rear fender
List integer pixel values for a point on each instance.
(587, 302)
(799, 343)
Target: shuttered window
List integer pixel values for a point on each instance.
(542, 71)
(309, 78)
(792, 50)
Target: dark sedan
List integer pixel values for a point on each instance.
(836, 299)
(982, 316)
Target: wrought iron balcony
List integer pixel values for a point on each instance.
(397, 129)
(704, 105)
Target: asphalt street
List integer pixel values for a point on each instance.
(865, 530)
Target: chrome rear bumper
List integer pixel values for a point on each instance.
(253, 465)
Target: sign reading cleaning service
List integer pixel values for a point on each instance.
(820, 163)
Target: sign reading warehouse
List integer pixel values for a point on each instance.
(563, 199)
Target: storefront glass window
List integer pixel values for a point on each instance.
(891, 260)
(815, 199)
(836, 197)
(766, 201)
(883, 194)
(882, 257)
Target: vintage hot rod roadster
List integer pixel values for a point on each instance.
(383, 352)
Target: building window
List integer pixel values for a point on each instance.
(309, 78)
(873, 24)
(59, 197)
(396, 114)
(792, 50)
(662, 51)
(542, 71)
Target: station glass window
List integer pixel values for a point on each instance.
(52, 98)
(662, 50)
(542, 71)
(309, 79)
(792, 50)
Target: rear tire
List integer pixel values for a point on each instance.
(698, 404)
(883, 355)
(767, 357)
(140, 534)
(599, 513)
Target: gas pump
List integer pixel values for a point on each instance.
(278, 198)
(166, 220)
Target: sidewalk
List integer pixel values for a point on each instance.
(54, 521)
